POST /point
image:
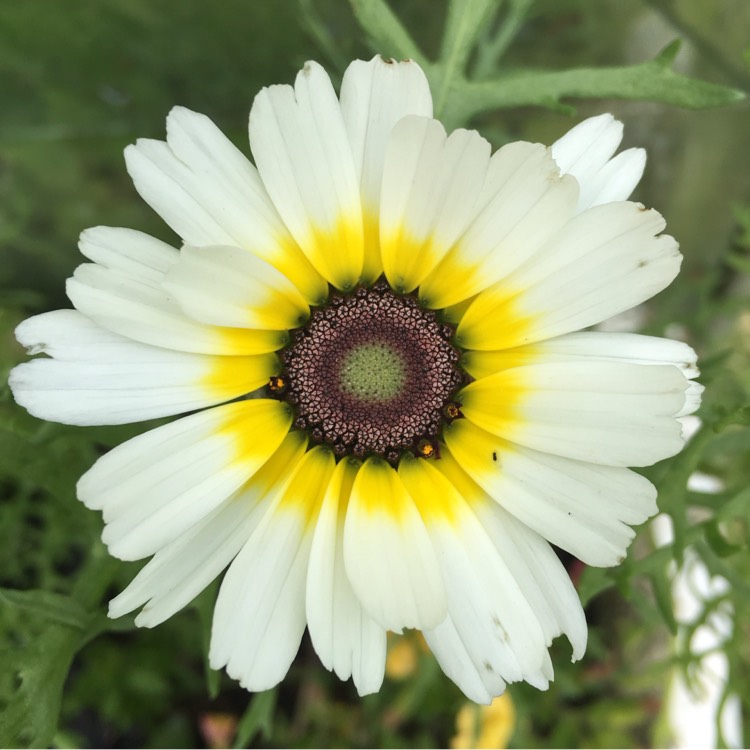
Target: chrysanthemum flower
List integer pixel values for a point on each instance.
(394, 412)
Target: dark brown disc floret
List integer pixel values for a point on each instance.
(372, 373)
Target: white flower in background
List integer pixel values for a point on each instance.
(378, 329)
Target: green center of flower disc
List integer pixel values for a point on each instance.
(373, 372)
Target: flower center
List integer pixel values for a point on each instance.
(372, 373)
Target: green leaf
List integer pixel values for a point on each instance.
(53, 607)
(38, 670)
(672, 486)
(716, 540)
(738, 506)
(257, 719)
(653, 80)
(41, 633)
(669, 54)
(662, 586)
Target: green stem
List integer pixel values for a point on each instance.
(491, 51)
(387, 33)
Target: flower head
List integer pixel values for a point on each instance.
(377, 329)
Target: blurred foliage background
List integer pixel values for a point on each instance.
(79, 80)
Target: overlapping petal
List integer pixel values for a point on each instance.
(347, 640)
(299, 141)
(585, 508)
(489, 610)
(431, 188)
(226, 286)
(584, 347)
(210, 194)
(259, 617)
(586, 152)
(154, 487)
(602, 262)
(612, 413)
(185, 566)
(375, 95)
(523, 204)
(388, 553)
(94, 376)
(123, 292)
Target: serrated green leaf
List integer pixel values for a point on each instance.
(668, 55)
(257, 719)
(649, 81)
(662, 587)
(51, 606)
(672, 487)
(39, 670)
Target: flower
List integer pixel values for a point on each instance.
(485, 726)
(377, 329)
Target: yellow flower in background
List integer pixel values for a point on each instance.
(377, 327)
(485, 726)
(402, 657)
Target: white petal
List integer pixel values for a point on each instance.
(170, 188)
(492, 616)
(617, 179)
(135, 253)
(137, 307)
(477, 684)
(693, 397)
(586, 152)
(532, 562)
(98, 377)
(539, 573)
(587, 346)
(431, 188)
(388, 556)
(581, 507)
(226, 286)
(184, 567)
(345, 638)
(523, 204)
(159, 484)
(210, 194)
(588, 145)
(260, 612)
(375, 95)
(606, 260)
(301, 147)
(612, 413)
(223, 181)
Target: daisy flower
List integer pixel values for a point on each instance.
(376, 329)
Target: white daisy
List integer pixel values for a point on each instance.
(377, 327)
